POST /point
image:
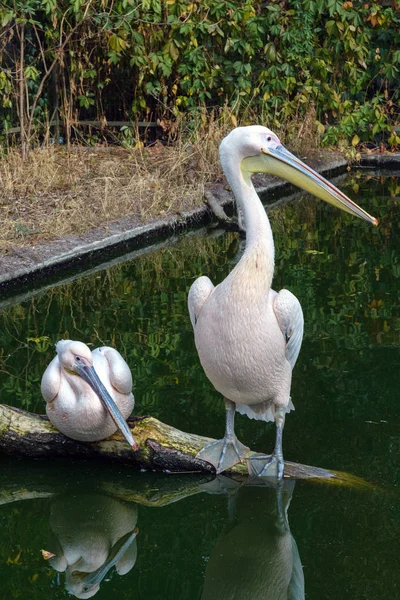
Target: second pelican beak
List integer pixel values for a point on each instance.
(94, 579)
(284, 164)
(88, 373)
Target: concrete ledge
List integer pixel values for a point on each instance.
(31, 261)
(386, 161)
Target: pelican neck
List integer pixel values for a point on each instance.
(259, 238)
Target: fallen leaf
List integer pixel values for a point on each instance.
(46, 554)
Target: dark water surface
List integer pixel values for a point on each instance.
(195, 539)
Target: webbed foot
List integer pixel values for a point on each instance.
(224, 454)
(261, 465)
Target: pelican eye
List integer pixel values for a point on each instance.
(269, 138)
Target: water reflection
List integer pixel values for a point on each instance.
(192, 544)
(90, 534)
(258, 557)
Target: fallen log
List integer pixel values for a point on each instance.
(160, 447)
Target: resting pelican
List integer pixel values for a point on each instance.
(88, 394)
(247, 336)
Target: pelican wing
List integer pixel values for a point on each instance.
(198, 294)
(51, 380)
(291, 321)
(118, 371)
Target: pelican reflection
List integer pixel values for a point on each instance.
(258, 558)
(89, 535)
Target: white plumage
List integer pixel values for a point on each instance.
(72, 404)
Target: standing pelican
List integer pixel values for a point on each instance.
(88, 394)
(248, 337)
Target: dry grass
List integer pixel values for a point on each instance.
(55, 193)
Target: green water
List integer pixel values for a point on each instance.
(207, 545)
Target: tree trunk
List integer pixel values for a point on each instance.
(160, 447)
(21, 82)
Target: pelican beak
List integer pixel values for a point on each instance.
(88, 373)
(117, 551)
(284, 164)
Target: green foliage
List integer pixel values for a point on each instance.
(172, 57)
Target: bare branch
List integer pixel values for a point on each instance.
(59, 50)
(40, 48)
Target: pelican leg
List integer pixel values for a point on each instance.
(271, 465)
(227, 452)
(281, 521)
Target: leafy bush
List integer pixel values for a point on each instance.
(168, 58)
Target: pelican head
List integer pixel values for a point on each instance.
(259, 150)
(73, 355)
(76, 358)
